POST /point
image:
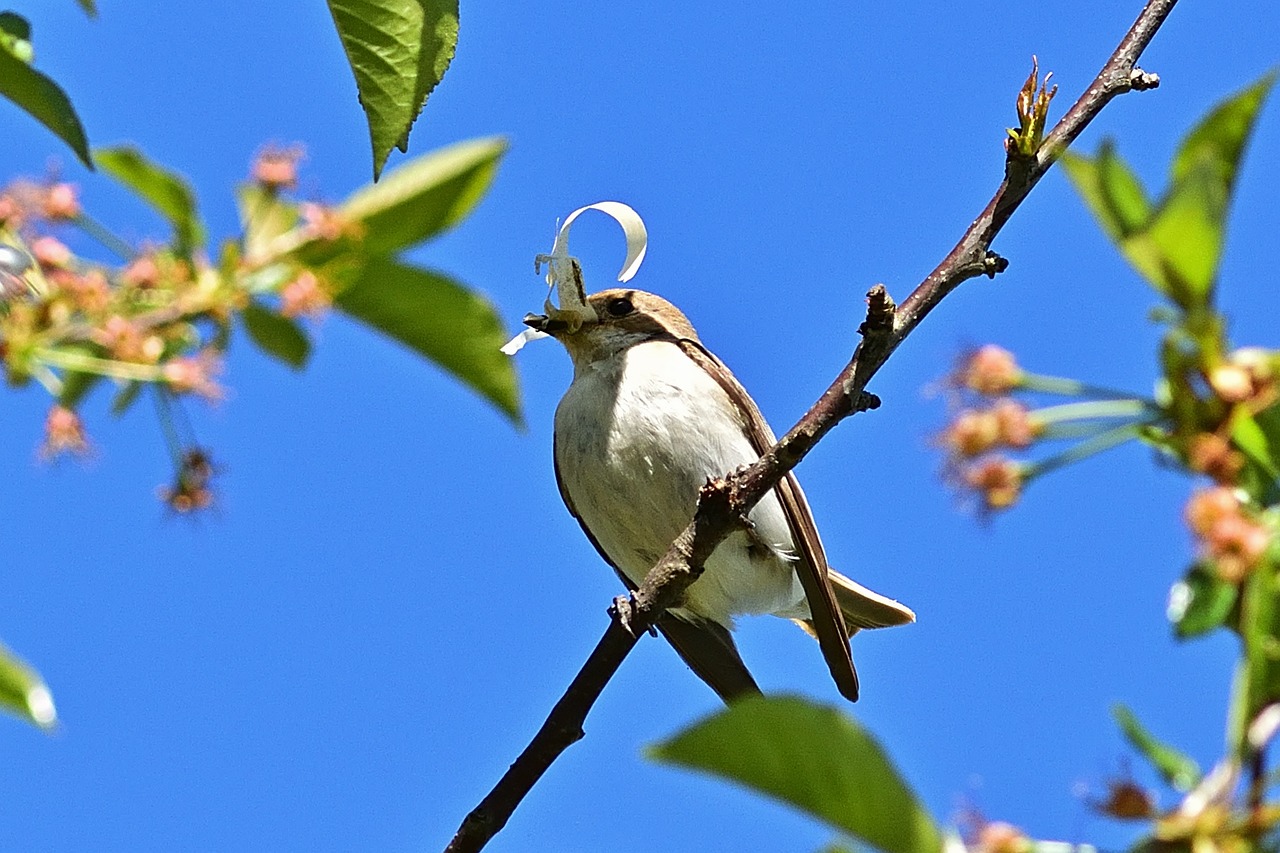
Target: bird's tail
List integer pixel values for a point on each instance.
(863, 608)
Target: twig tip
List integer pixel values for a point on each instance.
(1141, 81)
(993, 264)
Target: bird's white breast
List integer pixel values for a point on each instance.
(637, 434)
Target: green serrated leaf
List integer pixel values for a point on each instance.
(1200, 602)
(40, 97)
(276, 334)
(814, 758)
(398, 51)
(166, 191)
(428, 311)
(24, 693)
(1174, 767)
(424, 196)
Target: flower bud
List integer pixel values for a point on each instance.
(61, 202)
(990, 370)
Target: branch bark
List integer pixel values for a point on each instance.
(726, 500)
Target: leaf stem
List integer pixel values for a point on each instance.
(1069, 387)
(1103, 441)
(95, 229)
(1094, 410)
(46, 377)
(103, 367)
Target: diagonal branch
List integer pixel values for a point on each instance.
(726, 500)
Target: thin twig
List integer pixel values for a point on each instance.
(726, 500)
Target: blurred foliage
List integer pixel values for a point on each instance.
(23, 693)
(35, 93)
(163, 315)
(1174, 767)
(813, 757)
(1215, 414)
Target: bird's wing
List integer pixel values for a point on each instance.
(707, 648)
(828, 623)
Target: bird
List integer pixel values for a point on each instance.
(650, 415)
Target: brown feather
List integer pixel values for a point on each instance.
(863, 608)
(705, 647)
(811, 567)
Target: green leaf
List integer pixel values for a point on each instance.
(456, 328)
(1248, 435)
(264, 216)
(1260, 627)
(814, 758)
(398, 51)
(166, 191)
(42, 98)
(15, 36)
(424, 196)
(1110, 189)
(1183, 243)
(127, 396)
(1178, 246)
(1260, 442)
(1187, 230)
(24, 693)
(1173, 766)
(90, 8)
(76, 386)
(1122, 191)
(276, 334)
(1200, 602)
(1174, 249)
(1082, 171)
(1218, 141)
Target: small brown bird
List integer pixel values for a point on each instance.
(650, 415)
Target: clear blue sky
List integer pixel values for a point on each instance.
(348, 651)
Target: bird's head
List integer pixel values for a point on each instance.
(615, 320)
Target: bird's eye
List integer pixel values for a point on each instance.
(619, 307)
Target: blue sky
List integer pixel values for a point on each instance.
(351, 647)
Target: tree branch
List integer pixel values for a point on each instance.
(725, 501)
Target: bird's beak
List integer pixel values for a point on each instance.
(543, 323)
